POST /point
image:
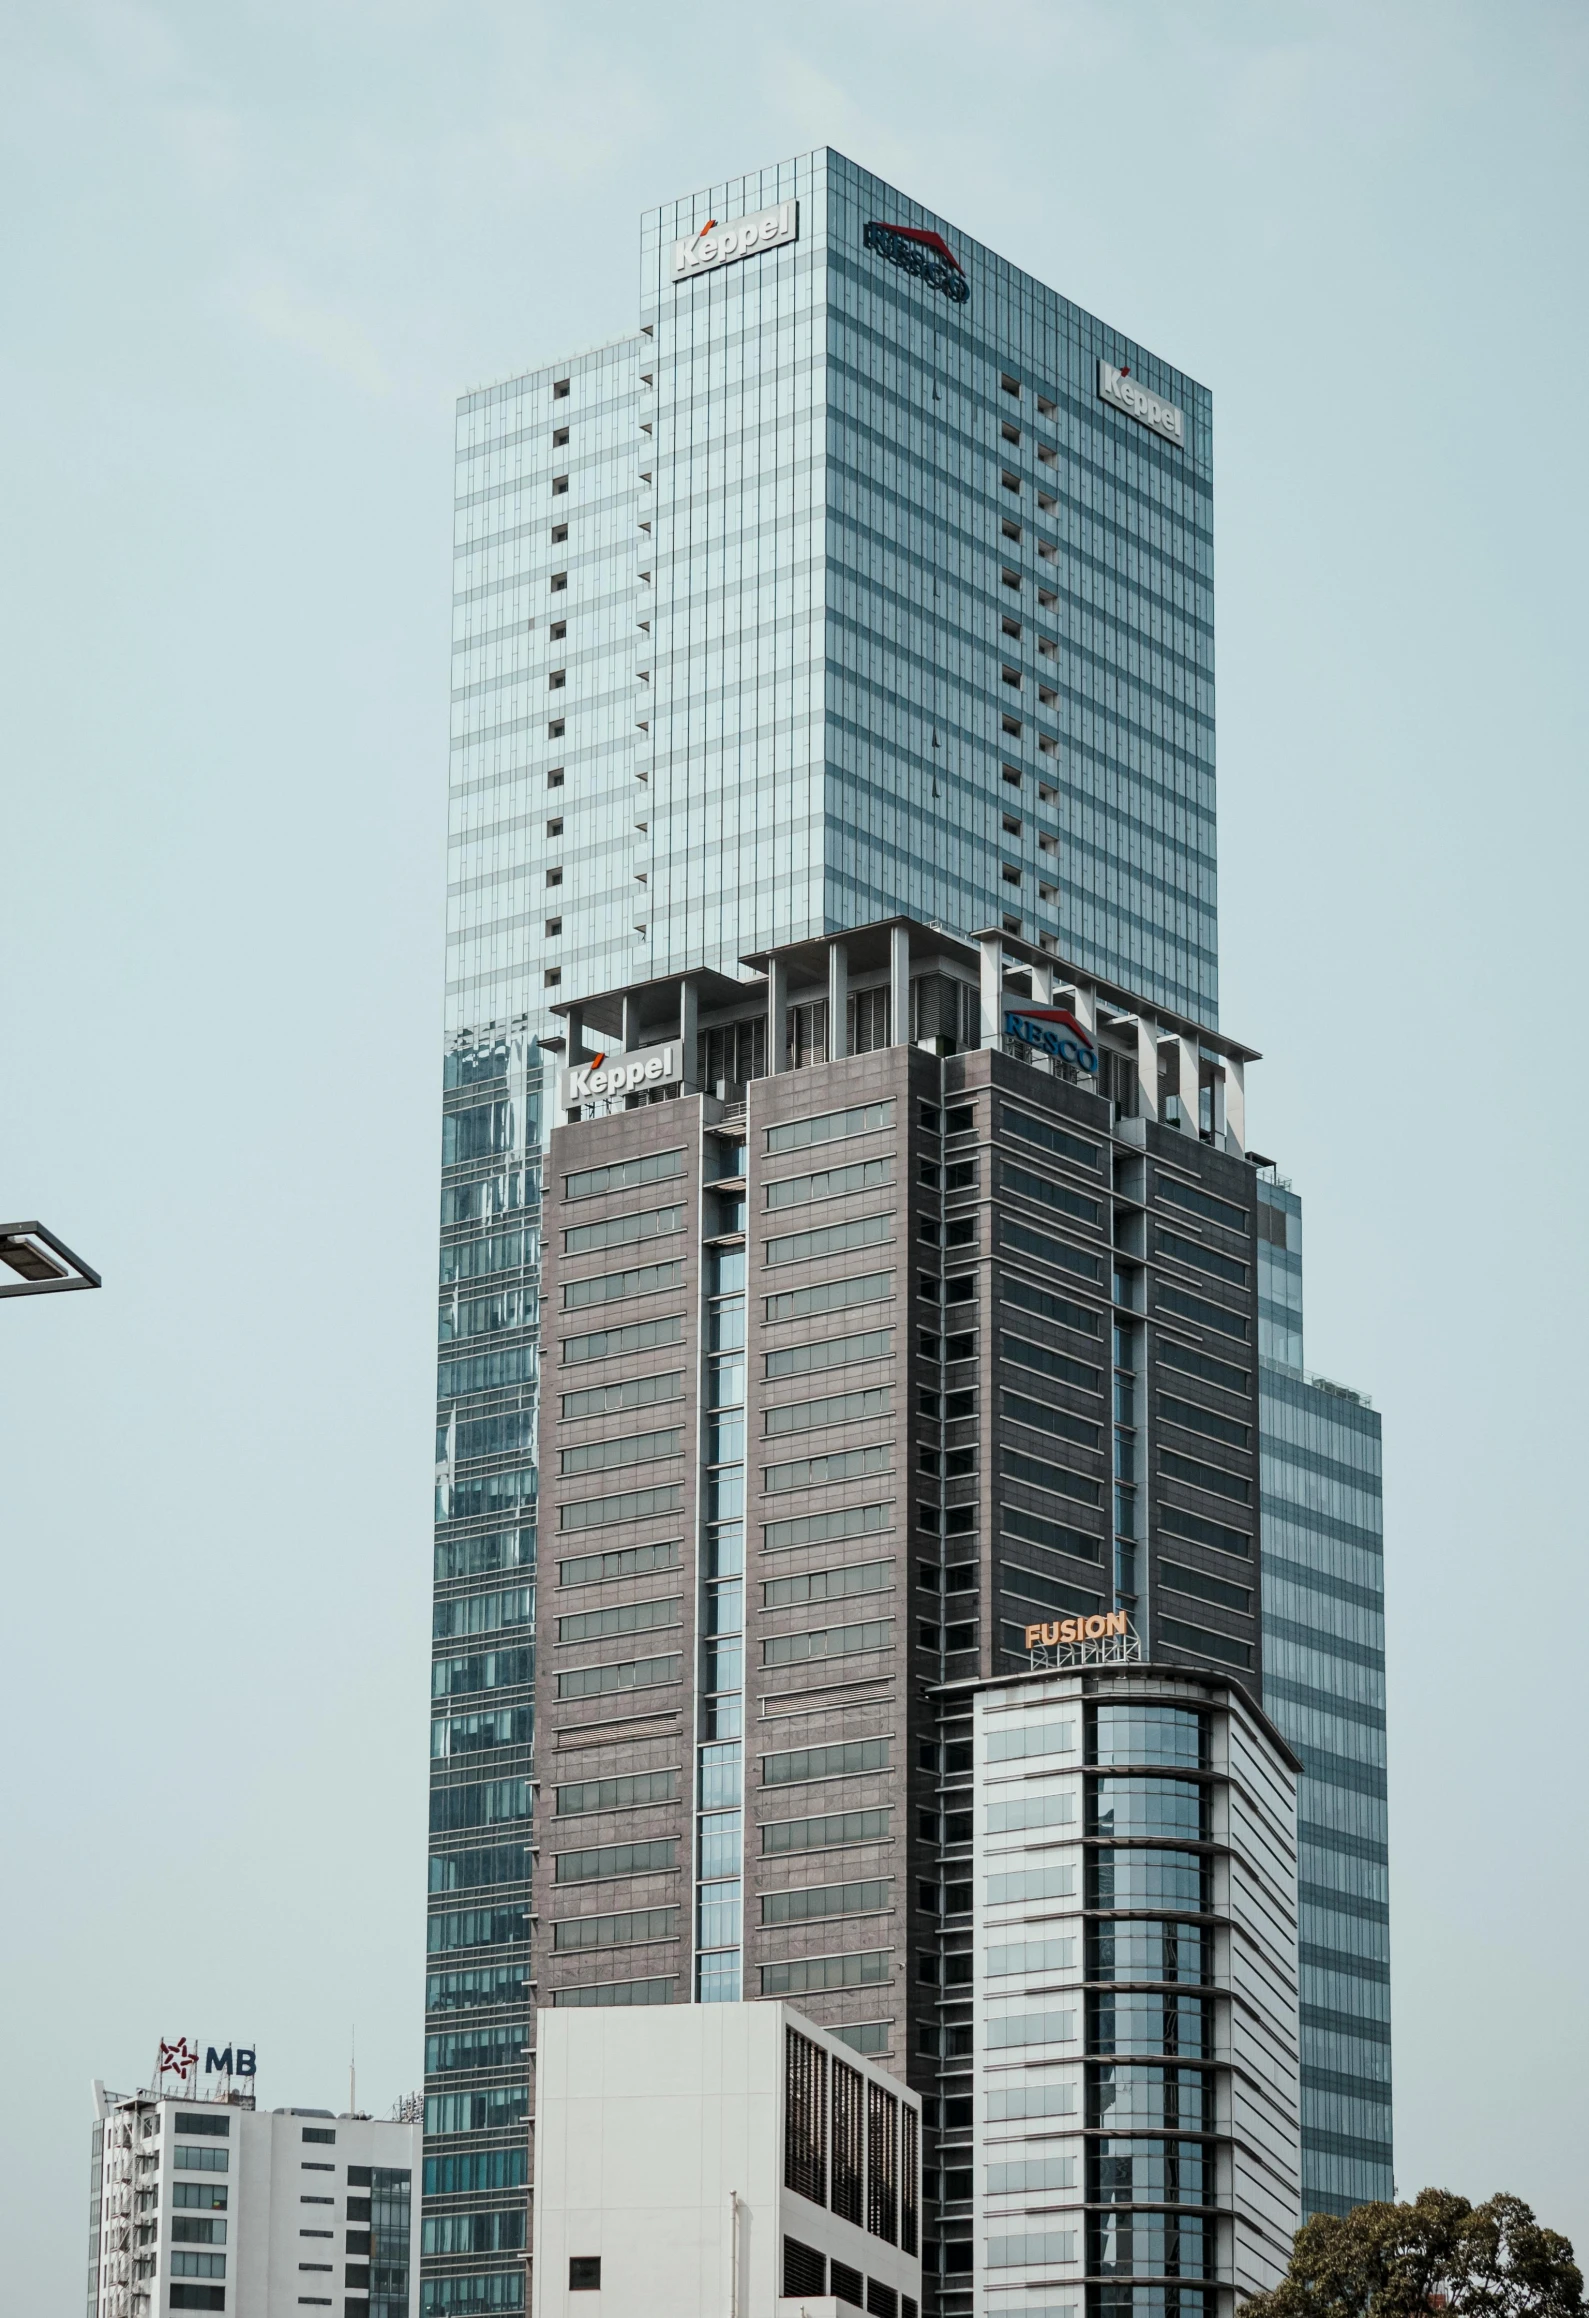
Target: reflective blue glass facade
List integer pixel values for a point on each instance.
(933, 624)
(1324, 1687)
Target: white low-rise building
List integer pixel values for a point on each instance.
(734, 2159)
(212, 2204)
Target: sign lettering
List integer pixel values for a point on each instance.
(1053, 1030)
(916, 249)
(1149, 410)
(745, 237)
(1112, 1624)
(621, 1074)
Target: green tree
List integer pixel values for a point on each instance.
(1437, 2255)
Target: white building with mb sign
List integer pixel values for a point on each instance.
(212, 2204)
(732, 2159)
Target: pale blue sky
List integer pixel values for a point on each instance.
(253, 251)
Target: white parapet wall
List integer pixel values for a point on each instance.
(667, 2141)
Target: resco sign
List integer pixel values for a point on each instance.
(719, 245)
(1052, 1030)
(621, 1074)
(1149, 410)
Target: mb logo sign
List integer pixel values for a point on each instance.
(181, 2059)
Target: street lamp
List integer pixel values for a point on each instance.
(44, 1265)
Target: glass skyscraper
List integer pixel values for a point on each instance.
(1324, 1687)
(868, 575)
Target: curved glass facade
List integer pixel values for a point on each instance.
(1158, 2050)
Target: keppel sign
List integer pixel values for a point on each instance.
(1149, 410)
(607, 1075)
(1052, 1030)
(746, 237)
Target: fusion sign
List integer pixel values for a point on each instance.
(1149, 410)
(621, 1074)
(720, 245)
(1052, 1030)
(1111, 1626)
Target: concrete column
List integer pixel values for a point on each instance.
(689, 1031)
(1235, 1106)
(574, 1025)
(838, 1002)
(1184, 1051)
(777, 1015)
(632, 1033)
(992, 989)
(1082, 999)
(899, 985)
(1147, 1067)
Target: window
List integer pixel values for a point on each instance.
(557, 631)
(554, 730)
(1012, 774)
(1011, 627)
(559, 533)
(584, 2273)
(1011, 579)
(554, 877)
(559, 436)
(1011, 434)
(1009, 481)
(800, 1190)
(805, 2118)
(202, 2160)
(1012, 826)
(1012, 726)
(1009, 384)
(559, 485)
(1010, 874)
(552, 976)
(559, 581)
(216, 2128)
(1010, 528)
(614, 1859)
(1012, 677)
(559, 389)
(554, 779)
(848, 2135)
(557, 679)
(805, 2271)
(554, 927)
(828, 1832)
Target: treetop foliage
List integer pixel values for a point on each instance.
(1438, 2257)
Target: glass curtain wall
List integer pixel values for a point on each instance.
(1324, 1687)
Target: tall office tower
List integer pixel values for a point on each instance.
(867, 576)
(1324, 1685)
(863, 1377)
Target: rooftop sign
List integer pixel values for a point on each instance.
(606, 1075)
(1149, 410)
(181, 2060)
(916, 249)
(744, 237)
(1052, 1030)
